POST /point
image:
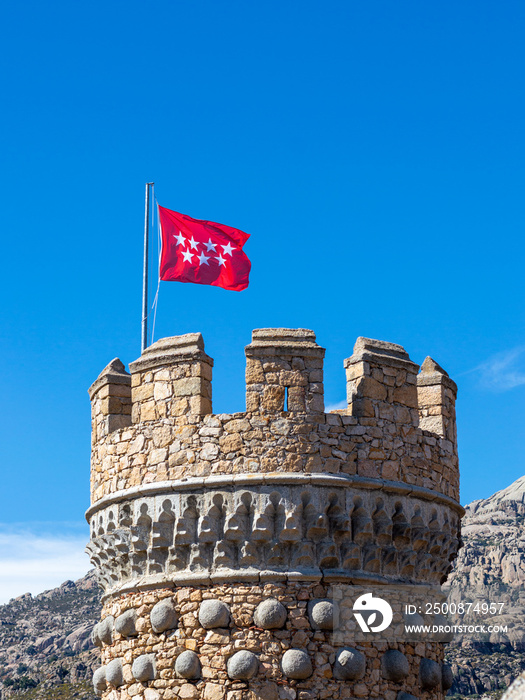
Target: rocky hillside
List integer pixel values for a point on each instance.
(490, 569)
(45, 646)
(46, 652)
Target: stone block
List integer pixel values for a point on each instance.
(273, 398)
(187, 691)
(367, 387)
(214, 691)
(406, 396)
(254, 371)
(142, 393)
(187, 387)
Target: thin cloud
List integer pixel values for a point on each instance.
(336, 406)
(503, 371)
(32, 562)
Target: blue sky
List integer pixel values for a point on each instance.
(374, 151)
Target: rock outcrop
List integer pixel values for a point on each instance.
(490, 569)
(45, 642)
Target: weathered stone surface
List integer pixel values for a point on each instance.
(144, 668)
(214, 691)
(270, 614)
(150, 694)
(214, 613)
(394, 665)
(405, 696)
(114, 672)
(267, 691)
(125, 623)
(350, 664)
(163, 616)
(187, 665)
(429, 673)
(296, 664)
(447, 677)
(378, 515)
(105, 629)
(99, 680)
(187, 691)
(97, 642)
(322, 614)
(242, 666)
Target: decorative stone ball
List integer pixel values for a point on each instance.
(114, 672)
(429, 674)
(99, 680)
(214, 613)
(94, 636)
(143, 668)
(270, 614)
(394, 665)
(405, 696)
(350, 664)
(242, 666)
(163, 616)
(322, 614)
(413, 619)
(296, 664)
(125, 624)
(447, 677)
(188, 665)
(443, 636)
(105, 629)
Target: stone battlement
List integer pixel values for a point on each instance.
(157, 423)
(227, 544)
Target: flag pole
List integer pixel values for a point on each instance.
(144, 339)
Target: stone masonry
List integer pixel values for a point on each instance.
(222, 542)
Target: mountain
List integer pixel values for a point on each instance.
(490, 570)
(45, 645)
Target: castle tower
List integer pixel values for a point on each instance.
(241, 555)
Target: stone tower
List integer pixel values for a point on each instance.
(231, 549)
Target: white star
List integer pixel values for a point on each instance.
(227, 249)
(203, 260)
(187, 256)
(180, 238)
(193, 243)
(210, 246)
(221, 260)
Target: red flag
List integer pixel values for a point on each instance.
(202, 252)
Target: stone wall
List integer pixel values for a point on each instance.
(277, 503)
(213, 670)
